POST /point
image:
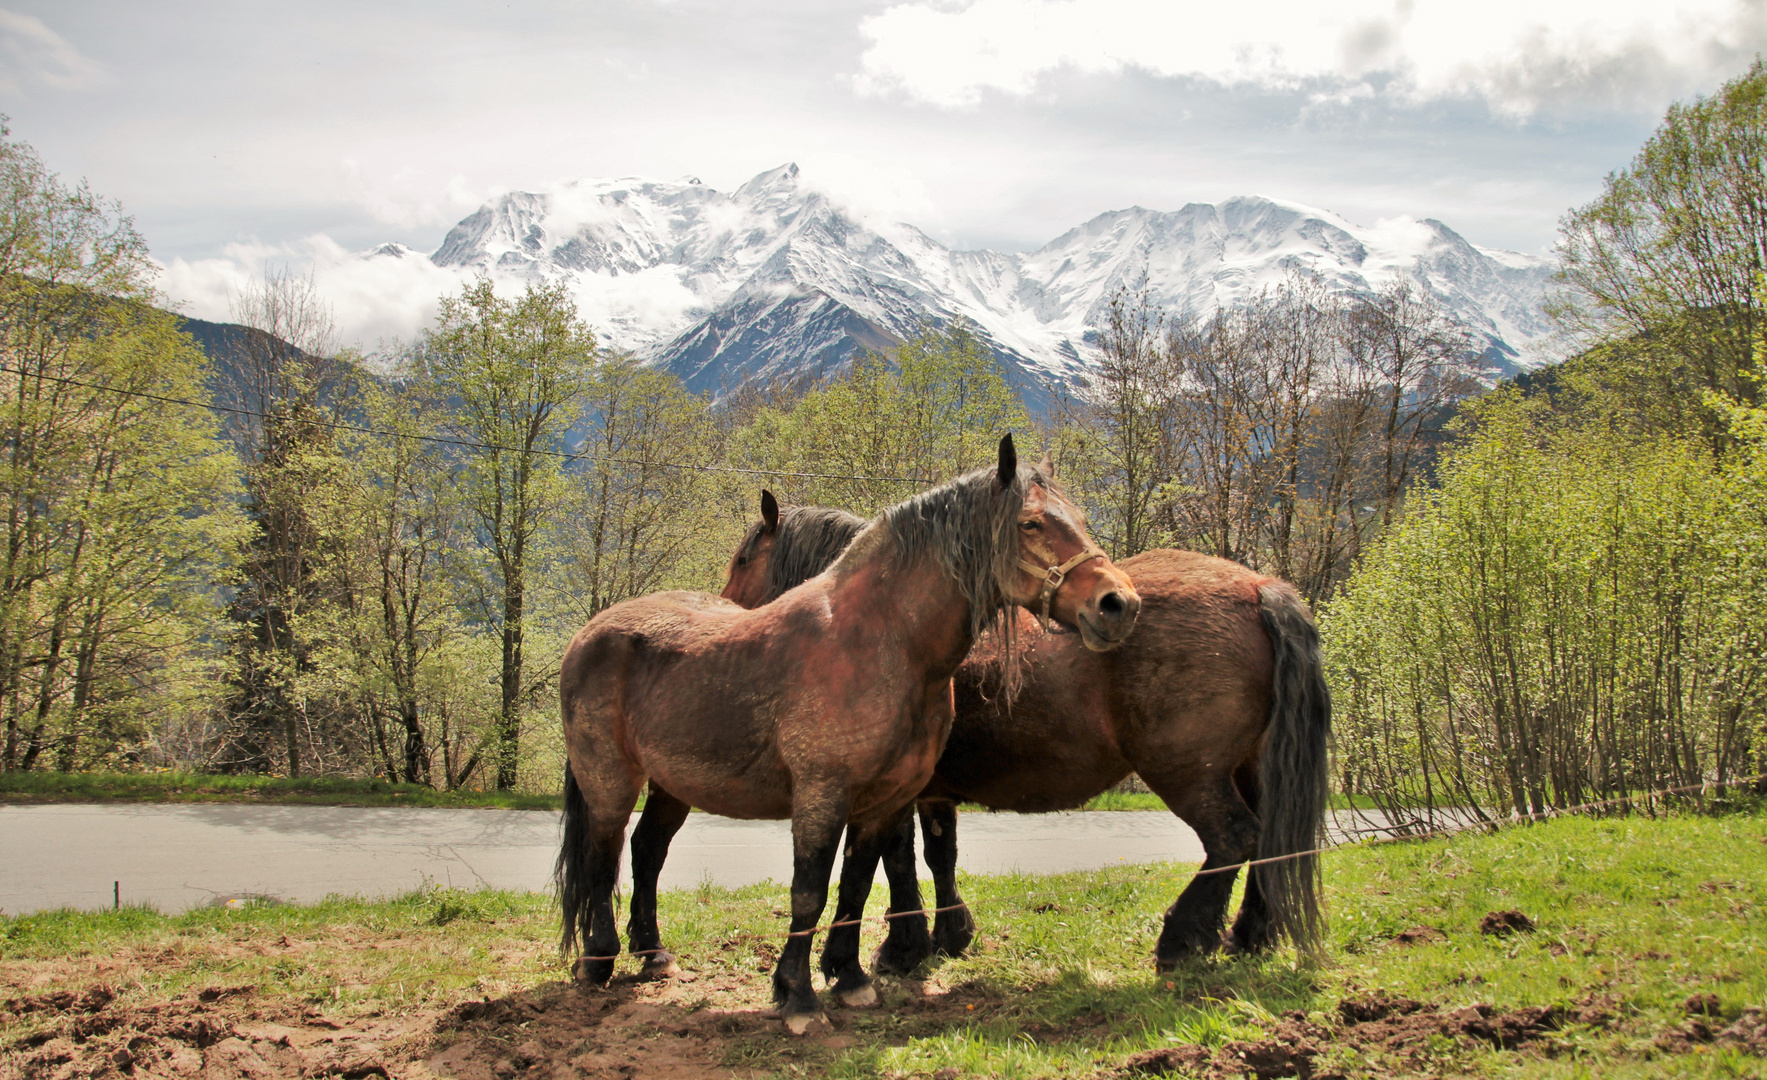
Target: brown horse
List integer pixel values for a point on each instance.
(829, 706)
(1218, 702)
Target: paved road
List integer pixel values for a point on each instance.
(181, 856)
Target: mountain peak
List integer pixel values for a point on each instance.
(773, 278)
(780, 181)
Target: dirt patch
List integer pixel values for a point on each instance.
(1382, 1027)
(1748, 1032)
(668, 1031)
(1291, 1050)
(1703, 1005)
(618, 1032)
(1419, 935)
(1504, 923)
(215, 1034)
(1365, 1010)
(702, 1024)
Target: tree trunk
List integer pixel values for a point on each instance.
(509, 718)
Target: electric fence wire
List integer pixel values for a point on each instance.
(1486, 826)
(463, 443)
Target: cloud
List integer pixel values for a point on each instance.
(393, 292)
(407, 197)
(373, 298)
(1519, 55)
(36, 54)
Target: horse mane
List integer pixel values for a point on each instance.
(809, 540)
(970, 526)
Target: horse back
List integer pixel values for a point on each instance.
(1197, 670)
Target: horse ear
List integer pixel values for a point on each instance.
(1008, 470)
(1047, 465)
(769, 510)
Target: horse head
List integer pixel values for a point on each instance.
(1062, 574)
(746, 579)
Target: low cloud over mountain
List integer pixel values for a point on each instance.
(776, 278)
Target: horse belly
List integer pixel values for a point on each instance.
(1053, 749)
(702, 733)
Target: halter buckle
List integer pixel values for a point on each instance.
(1054, 577)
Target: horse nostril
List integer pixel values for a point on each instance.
(1111, 603)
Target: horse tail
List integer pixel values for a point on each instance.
(1292, 774)
(572, 871)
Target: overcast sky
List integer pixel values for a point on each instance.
(238, 129)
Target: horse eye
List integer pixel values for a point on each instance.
(1030, 526)
(742, 560)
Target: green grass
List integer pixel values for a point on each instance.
(1143, 800)
(1638, 912)
(179, 787)
(47, 787)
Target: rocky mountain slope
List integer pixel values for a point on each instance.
(776, 278)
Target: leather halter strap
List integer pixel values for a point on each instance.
(1053, 576)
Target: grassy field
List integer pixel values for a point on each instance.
(1634, 921)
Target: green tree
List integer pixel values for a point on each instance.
(518, 370)
(1662, 267)
(287, 384)
(1558, 623)
(639, 524)
(118, 513)
(934, 410)
(400, 528)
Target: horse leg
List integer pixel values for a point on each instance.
(602, 947)
(1229, 832)
(662, 817)
(840, 952)
(908, 943)
(588, 871)
(816, 823)
(953, 929)
(1253, 930)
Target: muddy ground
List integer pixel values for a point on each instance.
(694, 1025)
(708, 1025)
(705, 1023)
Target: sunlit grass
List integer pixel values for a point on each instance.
(1637, 913)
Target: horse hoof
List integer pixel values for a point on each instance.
(956, 947)
(1166, 964)
(659, 966)
(893, 958)
(861, 998)
(798, 1023)
(593, 972)
(954, 937)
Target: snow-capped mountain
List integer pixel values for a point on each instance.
(776, 278)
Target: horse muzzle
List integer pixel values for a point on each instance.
(1108, 618)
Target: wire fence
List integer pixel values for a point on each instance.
(1233, 868)
(469, 444)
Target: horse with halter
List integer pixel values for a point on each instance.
(828, 706)
(1218, 702)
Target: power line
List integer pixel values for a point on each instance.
(441, 440)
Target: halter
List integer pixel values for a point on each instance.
(1053, 576)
